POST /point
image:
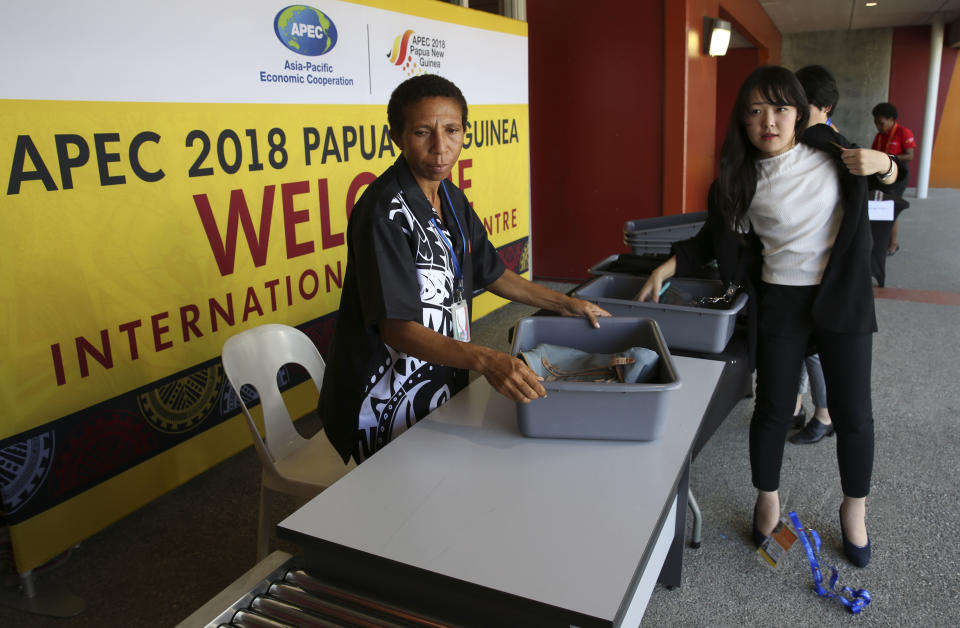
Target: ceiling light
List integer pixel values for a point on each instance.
(716, 36)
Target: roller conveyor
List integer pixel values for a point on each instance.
(288, 597)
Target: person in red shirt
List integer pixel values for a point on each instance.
(893, 139)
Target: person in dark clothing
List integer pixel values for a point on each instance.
(416, 251)
(897, 140)
(787, 222)
(822, 94)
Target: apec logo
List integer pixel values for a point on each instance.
(416, 54)
(305, 30)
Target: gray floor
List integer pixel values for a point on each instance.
(156, 566)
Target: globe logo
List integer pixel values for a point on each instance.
(305, 30)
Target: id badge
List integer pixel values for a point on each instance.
(461, 321)
(880, 210)
(776, 546)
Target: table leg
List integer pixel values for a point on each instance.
(670, 573)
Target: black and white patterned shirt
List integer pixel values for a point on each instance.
(398, 267)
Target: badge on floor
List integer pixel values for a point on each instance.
(776, 546)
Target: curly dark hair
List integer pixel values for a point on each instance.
(885, 110)
(414, 90)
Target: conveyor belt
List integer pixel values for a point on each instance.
(290, 597)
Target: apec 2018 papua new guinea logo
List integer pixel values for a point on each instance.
(416, 54)
(305, 30)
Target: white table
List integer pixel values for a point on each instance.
(573, 531)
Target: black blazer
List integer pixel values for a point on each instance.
(844, 303)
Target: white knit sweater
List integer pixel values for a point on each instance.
(796, 211)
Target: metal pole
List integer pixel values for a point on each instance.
(50, 599)
(930, 111)
(26, 584)
(517, 9)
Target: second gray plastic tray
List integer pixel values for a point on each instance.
(684, 327)
(664, 228)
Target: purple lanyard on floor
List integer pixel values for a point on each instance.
(858, 599)
(457, 271)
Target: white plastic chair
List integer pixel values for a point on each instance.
(291, 464)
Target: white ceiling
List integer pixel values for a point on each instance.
(798, 16)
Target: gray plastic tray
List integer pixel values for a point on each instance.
(596, 410)
(686, 328)
(607, 266)
(600, 268)
(664, 228)
(649, 248)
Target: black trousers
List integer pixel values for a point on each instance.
(787, 334)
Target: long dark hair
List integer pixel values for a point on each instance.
(737, 182)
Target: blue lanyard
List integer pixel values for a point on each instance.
(854, 599)
(457, 271)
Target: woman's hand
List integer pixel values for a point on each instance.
(865, 161)
(514, 287)
(654, 284)
(510, 376)
(579, 307)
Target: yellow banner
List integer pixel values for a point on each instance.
(148, 213)
(137, 237)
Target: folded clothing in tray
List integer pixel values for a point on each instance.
(636, 365)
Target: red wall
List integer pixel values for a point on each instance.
(623, 118)
(596, 113)
(732, 69)
(910, 60)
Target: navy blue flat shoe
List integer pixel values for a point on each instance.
(856, 554)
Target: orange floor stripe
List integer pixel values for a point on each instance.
(919, 296)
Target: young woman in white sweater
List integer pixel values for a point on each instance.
(787, 222)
